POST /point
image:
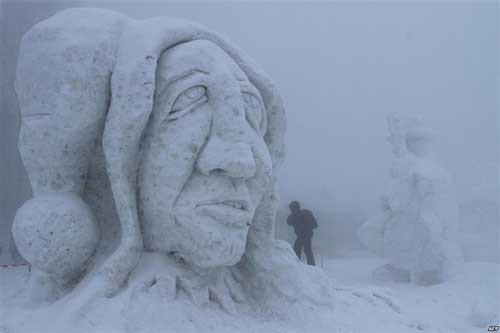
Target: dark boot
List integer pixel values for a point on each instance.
(297, 247)
(308, 251)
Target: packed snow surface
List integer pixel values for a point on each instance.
(468, 302)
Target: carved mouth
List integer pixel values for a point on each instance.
(232, 212)
(39, 114)
(238, 204)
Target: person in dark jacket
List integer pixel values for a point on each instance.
(303, 223)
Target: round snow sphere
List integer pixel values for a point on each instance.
(56, 233)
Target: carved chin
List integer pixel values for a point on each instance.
(225, 251)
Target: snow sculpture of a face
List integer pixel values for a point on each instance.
(205, 165)
(155, 135)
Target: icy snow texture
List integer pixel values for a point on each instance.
(171, 137)
(417, 229)
(59, 241)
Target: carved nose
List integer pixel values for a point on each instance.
(231, 159)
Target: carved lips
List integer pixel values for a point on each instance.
(232, 212)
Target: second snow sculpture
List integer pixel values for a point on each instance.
(151, 148)
(417, 229)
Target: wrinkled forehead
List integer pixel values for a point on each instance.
(199, 55)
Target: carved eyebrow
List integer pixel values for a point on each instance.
(249, 88)
(245, 84)
(161, 90)
(183, 75)
(36, 115)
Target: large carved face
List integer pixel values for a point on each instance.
(205, 165)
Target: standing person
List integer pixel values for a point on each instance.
(303, 223)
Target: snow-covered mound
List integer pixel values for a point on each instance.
(466, 303)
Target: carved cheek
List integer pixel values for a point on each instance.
(170, 159)
(262, 181)
(261, 151)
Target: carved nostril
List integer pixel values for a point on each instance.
(217, 171)
(234, 160)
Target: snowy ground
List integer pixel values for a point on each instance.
(468, 303)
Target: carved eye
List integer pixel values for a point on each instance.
(186, 99)
(253, 111)
(251, 100)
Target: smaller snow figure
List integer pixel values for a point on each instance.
(417, 229)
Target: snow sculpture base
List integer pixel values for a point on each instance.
(164, 295)
(389, 273)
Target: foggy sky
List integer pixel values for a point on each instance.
(342, 67)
